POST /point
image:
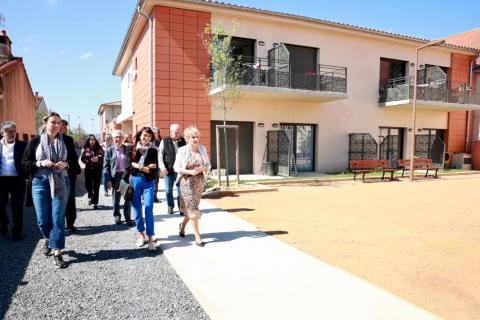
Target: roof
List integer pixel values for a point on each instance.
(467, 39)
(109, 104)
(10, 65)
(219, 4)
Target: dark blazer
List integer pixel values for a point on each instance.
(110, 159)
(30, 158)
(18, 150)
(72, 157)
(151, 157)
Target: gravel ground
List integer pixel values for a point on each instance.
(107, 276)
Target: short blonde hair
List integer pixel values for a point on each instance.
(190, 132)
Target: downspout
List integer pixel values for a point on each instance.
(469, 113)
(150, 67)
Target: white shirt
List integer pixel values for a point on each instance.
(8, 160)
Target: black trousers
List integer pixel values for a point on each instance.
(71, 209)
(93, 178)
(15, 187)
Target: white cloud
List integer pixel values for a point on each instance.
(52, 2)
(86, 56)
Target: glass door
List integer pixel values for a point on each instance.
(302, 137)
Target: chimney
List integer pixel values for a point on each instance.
(5, 47)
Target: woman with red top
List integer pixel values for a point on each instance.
(92, 156)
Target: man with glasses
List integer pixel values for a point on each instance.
(12, 179)
(117, 159)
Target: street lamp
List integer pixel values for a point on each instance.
(414, 107)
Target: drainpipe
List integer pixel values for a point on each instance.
(150, 64)
(470, 83)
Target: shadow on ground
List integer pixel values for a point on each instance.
(104, 255)
(214, 237)
(15, 257)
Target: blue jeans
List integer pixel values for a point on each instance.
(169, 181)
(50, 212)
(142, 186)
(106, 179)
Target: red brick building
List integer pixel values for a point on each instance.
(17, 100)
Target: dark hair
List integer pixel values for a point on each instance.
(142, 130)
(87, 142)
(42, 128)
(65, 122)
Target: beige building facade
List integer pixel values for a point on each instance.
(367, 63)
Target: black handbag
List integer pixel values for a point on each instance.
(29, 200)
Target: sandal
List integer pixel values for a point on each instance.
(200, 244)
(180, 233)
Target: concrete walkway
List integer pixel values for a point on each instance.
(242, 273)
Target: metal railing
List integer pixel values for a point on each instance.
(266, 72)
(438, 90)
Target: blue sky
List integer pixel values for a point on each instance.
(70, 46)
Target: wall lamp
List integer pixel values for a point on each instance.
(261, 125)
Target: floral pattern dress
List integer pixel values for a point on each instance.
(191, 187)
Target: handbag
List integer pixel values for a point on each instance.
(29, 200)
(128, 193)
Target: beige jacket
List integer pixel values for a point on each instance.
(182, 158)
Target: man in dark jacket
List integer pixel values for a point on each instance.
(12, 179)
(166, 158)
(73, 171)
(116, 161)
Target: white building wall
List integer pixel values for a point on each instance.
(359, 113)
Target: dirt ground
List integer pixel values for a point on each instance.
(420, 241)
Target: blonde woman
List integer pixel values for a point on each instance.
(191, 164)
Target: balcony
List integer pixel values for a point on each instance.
(262, 78)
(439, 95)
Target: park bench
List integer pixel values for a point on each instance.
(367, 166)
(419, 164)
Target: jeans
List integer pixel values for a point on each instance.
(50, 212)
(143, 187)
(169, 181)
(116, 196)
(106, 178)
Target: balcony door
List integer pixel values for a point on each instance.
(302, 137)
(303, 62)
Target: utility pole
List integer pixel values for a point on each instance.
(92, 119)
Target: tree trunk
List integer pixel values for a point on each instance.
(225, 145)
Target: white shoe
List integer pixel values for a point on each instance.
(151, 246)
(141, 242)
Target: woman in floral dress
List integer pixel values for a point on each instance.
(191, 164)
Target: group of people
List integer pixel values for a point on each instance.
(47, 167)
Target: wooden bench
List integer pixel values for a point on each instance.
(366, 166)
(419, 164)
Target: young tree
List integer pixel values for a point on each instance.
(224, 81)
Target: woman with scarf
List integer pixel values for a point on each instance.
(45, 162)
(92, 156)
(143, 172)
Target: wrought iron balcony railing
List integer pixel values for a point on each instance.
(439, 90)
(265, 72)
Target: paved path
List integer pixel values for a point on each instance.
(242, 273)
(106, 278)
